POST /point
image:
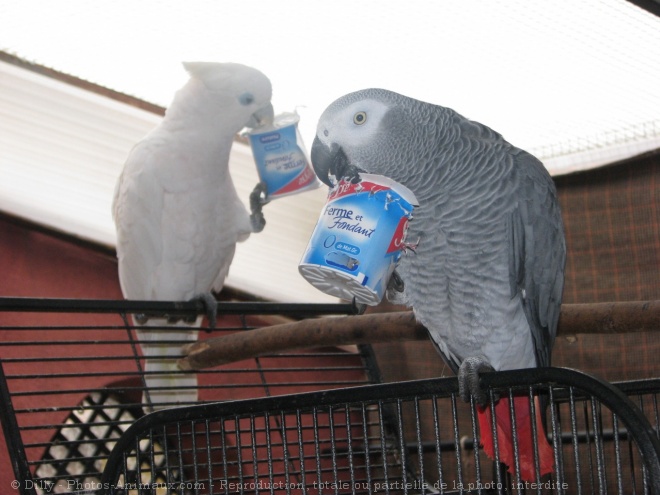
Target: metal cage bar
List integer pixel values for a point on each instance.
(172, 308)
(343, 458)
(73, 376)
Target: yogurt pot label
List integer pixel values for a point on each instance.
(280, 156)
(359, 239)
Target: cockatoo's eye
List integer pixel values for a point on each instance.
(246, 99)
(360, 118)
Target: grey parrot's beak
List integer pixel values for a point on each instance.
(263, 116)
(328, 161)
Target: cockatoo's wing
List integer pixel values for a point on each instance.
(137, 211)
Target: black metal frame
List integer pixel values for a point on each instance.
(21, 463)
(173, 308)
(555, 385)
(11, 432)
(560, 384)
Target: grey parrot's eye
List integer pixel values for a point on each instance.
(360, 118)
(246, 98)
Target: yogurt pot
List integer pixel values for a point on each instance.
(359, 239)
(281, 159)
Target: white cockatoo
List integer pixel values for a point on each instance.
(178, 216)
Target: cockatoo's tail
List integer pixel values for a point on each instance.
(281, 159)
(359, 239)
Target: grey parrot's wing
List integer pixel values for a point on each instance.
(537, 253)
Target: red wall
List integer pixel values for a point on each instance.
(35, 264)
(39, 264)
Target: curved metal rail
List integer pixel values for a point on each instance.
(563, 387)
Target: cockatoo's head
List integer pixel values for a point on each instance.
(240, 94)
(366, 131)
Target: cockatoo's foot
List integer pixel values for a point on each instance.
(257, 201)
(141, 318)
(211, 306)
(468, 379)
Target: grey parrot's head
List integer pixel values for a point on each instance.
(371, 131)
(242, 93)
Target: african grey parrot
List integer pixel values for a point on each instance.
(177, 213)
(486, 271)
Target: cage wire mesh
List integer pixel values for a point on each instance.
(73, 378)
(341, 442)
(72, 386)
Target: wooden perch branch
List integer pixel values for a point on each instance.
(603, 318)
(317, 332)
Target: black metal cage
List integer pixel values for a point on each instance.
(312, 421)
(385, 438)
(72, 378)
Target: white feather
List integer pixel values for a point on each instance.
(176, 210)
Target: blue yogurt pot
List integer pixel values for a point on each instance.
(359, 239)
(281, 158)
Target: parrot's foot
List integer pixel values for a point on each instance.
(395, 283)
(411, 246)
(468, 379)
(210, 305)
(352, 174)
(257, 201)
(360, 308)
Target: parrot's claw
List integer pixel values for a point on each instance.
(257, 201)
(411, 246)
(468, 379)
(395, 283)
(210, 305)
(360, 308)
(352, 174)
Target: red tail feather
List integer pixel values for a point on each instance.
(524, 437)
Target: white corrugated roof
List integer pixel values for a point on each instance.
(62, 149)
(573, 82)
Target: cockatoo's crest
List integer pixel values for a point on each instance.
(246, 83)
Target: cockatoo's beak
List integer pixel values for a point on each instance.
(264, 116)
